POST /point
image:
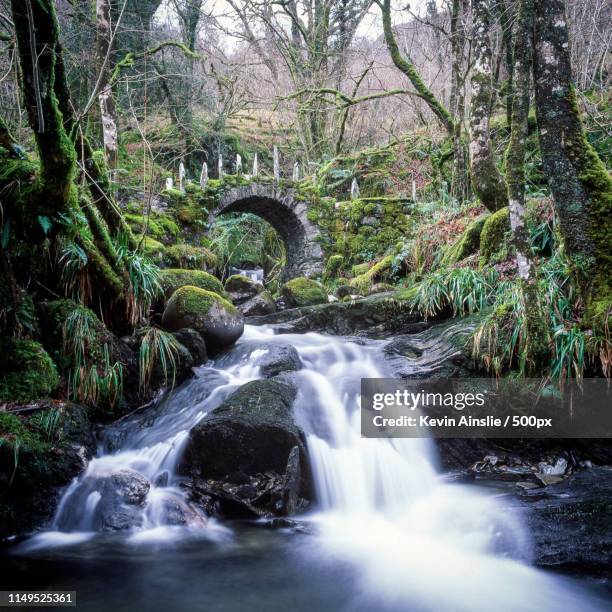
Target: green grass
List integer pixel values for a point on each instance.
(157, 347)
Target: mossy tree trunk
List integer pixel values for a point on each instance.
(536, 349)
(580, 183)
(486, 179)
(55, 194)
(452, 124)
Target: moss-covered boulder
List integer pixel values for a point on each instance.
(152, 248)
(468, 243)
(173, 278)
(192, 257)
(218, 321)
(303, 292)
(241, 288)
(493, 239)
(332, 267)
(27, 371)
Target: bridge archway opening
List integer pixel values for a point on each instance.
(287, 215)
(247, 244)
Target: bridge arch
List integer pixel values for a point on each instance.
(287, 215)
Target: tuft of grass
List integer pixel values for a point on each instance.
(500, 340)
(157, 347)
(75, 276)
(461, 290)
(144, 283)
(89, 381)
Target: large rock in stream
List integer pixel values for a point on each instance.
(249, 455)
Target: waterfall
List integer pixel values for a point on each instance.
(417, 541)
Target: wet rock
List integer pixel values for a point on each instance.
(569, 522)
(241, 289)
(404, 346)
(122, 498)
(279, 358)
(30, 491)
(194, 343)
(251, 438)
(174, 511)
(376, 314)
(343, 291)
(214, 318)
(261, 304)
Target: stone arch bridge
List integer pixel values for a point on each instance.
(286, 215)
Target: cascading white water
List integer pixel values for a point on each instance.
(419, 543)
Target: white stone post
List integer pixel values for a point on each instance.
(182, 177)
(204, 176)
(276, 164)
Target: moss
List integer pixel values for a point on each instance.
(152, 248)
(468, 243)
(192, 257)
(13, 432)
(359, 269)
(195, 301)
(303, 292)
(333, 266)
(364, 281)
(173, 278)
(28, 371)
(493, 234)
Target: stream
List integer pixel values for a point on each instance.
(388, 532)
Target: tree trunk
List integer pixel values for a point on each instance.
(460, 186)
(407, 67)
(486, 179)
(55, 193)
(104, 47)
(580, 184)
(535, 348)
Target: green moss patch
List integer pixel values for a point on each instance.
(493, 237)
(29, 373)
(303, 292)
(173, 278)
(468, 243)
(191, 257)
(189, 300)
(364, 281)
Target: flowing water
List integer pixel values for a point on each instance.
(388, 532)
